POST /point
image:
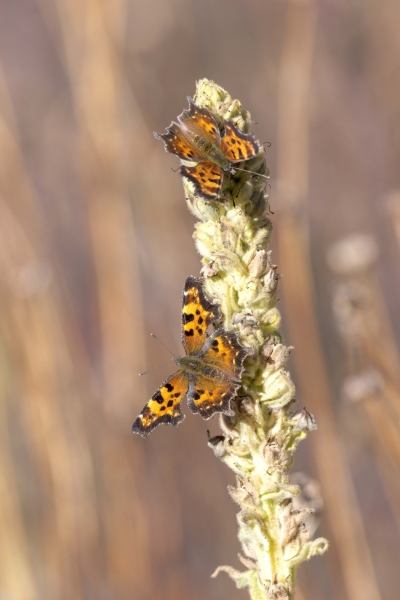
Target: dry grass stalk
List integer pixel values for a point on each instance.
(92, 35)
(96, 81)
(389, 474)
(372, 354)
(55, 382)
(36, 347)
(342, 511)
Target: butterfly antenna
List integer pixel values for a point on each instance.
(155, 369)
(252, 172)
(168, 350)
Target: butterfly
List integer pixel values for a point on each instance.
(209, 373)
(196, 138)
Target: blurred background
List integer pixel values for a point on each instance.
(95, 245)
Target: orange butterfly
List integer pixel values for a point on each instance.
(209, 374)
(196, 138)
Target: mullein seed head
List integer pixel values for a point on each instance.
(259, 439)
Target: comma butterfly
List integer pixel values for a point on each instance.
(209, 374)
(196, 138)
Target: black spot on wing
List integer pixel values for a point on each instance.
(209, 191)
(193, 287)
(229, 141)
(152, 421)
(187, 318)
(158, 397)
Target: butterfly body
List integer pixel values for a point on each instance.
(207, 150)
(197, 138)
(194, 364)
(191, 364)
(209, 373)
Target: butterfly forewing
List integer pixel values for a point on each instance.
(206, 178)
(238, 146)
(201, 122)
(176, 143)
(164, 406)
(197, 314)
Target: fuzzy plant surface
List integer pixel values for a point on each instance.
(259, 440)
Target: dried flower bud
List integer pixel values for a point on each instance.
(278, 356)
(271, 280)
(259, 263)
(303, 420)
(210, 269)
(277, 591)
(217, 445)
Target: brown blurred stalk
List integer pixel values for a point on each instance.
(346, 527)
(385, 446)
(37, 359)
(93, 36)
(89, 519)
(372, 357)
(393, 208)
(16, 574)
(379, 345)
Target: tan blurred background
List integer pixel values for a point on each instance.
(95, 244)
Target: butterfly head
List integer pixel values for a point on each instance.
(229, 169)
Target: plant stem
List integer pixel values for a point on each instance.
(258, 442)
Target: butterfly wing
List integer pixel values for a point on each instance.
(164, 406)
(197, 314)
(206, 178)
(199, 120)
(209, 396)
(224, 352)
(238, 146)
(212, 390)
(176, 143)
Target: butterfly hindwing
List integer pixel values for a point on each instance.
(206, 178)
(238, 146)
(209, 396)
(197, 314)
(164, 406)
(224, 352)
(222, 356)
(199, 120)
(176, 143)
